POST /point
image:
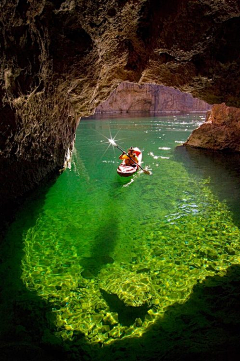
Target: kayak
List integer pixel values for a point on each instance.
(127, 170)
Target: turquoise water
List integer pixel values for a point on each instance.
(110, 255)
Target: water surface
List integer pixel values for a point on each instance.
(110, 255)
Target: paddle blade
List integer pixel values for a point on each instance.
(146, 171)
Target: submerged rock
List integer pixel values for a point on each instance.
(133, 289)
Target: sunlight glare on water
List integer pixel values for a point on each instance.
(112, 254)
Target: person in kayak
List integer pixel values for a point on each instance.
(130, 157)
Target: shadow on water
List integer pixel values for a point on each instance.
(26, 321)
(221, 168)
(126, 314)
(106, 234)
(103, 244)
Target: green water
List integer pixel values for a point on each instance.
(110, 255)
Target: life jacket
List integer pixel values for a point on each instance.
(129, 161)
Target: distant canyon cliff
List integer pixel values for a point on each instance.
(130, 97)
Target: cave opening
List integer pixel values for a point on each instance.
(150, 98)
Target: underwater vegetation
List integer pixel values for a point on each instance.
(113, 281)
(97, 267)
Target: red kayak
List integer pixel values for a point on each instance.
(128, 170)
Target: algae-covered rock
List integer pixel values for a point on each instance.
(131, 288)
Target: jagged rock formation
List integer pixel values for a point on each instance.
(60, 59)
(130, 97)
(221, 130)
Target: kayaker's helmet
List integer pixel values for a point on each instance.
(131, 150)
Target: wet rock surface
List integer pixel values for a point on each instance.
(221, 130)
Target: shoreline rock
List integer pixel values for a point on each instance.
(220, 131)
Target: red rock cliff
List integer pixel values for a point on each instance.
(129, 97)
(221, 130)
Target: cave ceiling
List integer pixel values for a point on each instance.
(86, 48)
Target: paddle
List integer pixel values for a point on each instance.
(111, 141)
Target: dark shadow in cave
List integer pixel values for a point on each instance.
(126, 314)
(103, 244)
(216, 166)
(27, 323)
(205, 327)
(106, 235)
(14, 192)
(105, 239)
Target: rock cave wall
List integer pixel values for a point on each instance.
(61, 59)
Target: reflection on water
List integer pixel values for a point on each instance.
(110, 259)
